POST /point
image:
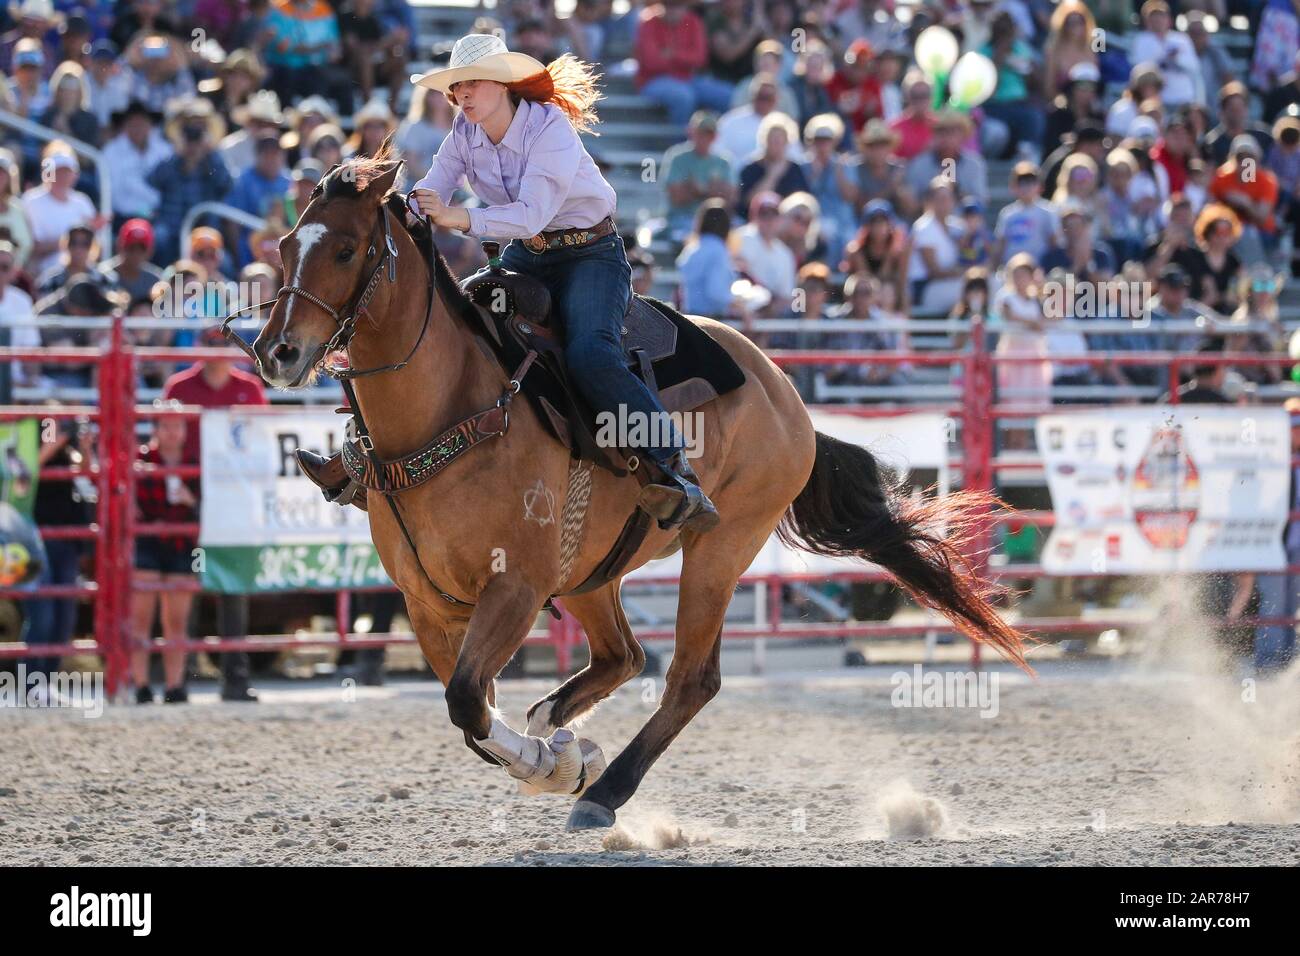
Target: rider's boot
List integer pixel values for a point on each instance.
(674, 496)
(329, 475)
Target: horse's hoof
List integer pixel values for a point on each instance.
(588, 815)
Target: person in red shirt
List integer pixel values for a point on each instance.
(914, 127)
(1174, 149)
(671, 53)
(217, 383)
(855, 87)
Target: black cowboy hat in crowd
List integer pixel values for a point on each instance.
(135, 108)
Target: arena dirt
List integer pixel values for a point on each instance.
(1103, 762)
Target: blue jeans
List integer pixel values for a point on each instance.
(52, 620)
(1279, 596)
(590, 288)
(681, 98)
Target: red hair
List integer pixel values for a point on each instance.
(568, 83)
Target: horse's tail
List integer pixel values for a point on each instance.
(845, 510)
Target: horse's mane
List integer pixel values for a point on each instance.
(352, 178)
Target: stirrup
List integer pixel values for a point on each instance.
(675, 499)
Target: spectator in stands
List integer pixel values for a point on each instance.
(762, 256)
(260, 117)
(1256, 326)
(855, 87)
(305, 54)
(1018, 309)
(144, 16)
(705, 263)
(831, 181)
(671, 53)
(738, 128)
(78, 254)
(55, 206)
(129, 156)
(1205, 387)
(1172, 53)
(61, 503)
(772, 170)
(196, 174)
(1013, 103)
(130, 270)
(258, 189)
(372, 124)
(947, 156)
(935, 271)
(375, 52)
(1127, 221)
(1215, 267)
(1063, 342)
(1279, 594)
(159, 73)
(1286, 94)
(643, 271)
(109, 84)
(36, 21)
(975, 247)
(1070, 39)
(593, 24)
(972, 306)
(693, 173)
(164, 563)
(1028, 223)
(880, 248)
(217, 383)
(914, 125)
(1077, 105)
(313, 113)
(28, 88)
(69, 113)
(809, 86)
(14, 225)
(305, 176)
(1216, 65)
(1249, 189)
(208, 249)
(1172, 152)
(734, 28)
(83, 296)
(1176, 242)
(1276, 44)
(879, 174)
(1078, 185)
(325, 145)
(1284, 161)
(1234, 121)
(801, 227)
(239, 76)
(1080, 253)
(1144, 82)
(16, 308)
(1172, 305)
(874, 21)
(426, 125)
(863, 296)
(975, 24)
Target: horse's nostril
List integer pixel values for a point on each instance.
(284, 353)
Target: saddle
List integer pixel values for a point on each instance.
(675, 358)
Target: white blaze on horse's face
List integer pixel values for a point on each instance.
(308, 235)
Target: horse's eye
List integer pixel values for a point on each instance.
(346, 255)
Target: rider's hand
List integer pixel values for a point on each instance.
(430, 205)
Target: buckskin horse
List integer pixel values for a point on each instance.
(477, 548)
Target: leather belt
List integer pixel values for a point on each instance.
(569, 238)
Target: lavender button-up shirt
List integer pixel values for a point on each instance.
(538, 178)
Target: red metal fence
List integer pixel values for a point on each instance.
(115, 528)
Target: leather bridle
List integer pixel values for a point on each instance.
(345, 319)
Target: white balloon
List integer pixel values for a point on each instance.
(972, 80)
(936, 50)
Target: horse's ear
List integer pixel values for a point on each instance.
(383, 181)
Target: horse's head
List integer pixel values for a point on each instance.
(339, 245)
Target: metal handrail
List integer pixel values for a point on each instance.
(220, 210)
(45, 134)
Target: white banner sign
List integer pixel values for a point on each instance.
(1166, 488)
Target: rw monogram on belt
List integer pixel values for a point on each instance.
(568, 238)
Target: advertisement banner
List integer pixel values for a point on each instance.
(1166, 488)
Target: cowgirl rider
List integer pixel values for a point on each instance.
(515, 139)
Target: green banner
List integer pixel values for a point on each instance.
(20, 443)
(290, 567)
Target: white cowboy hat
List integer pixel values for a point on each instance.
(481, 56)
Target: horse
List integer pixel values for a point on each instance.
(477, 550)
